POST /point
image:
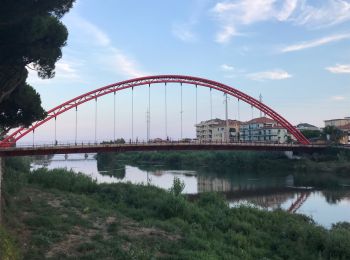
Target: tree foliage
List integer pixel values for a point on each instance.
(31, 37)
(333, 133)
(22, 108)
(309, 134)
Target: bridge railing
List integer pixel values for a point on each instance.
(152, 143)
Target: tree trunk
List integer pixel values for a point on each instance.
(10, 78)
(1, 191)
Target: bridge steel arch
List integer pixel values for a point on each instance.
(112, 88)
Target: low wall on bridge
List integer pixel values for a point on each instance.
(95, 148)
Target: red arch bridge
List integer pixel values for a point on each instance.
(8, 145)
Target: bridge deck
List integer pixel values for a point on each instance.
(166, 146)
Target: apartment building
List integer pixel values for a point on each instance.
(337, 122)
(263, 129)
(342, 124)
(215, 130)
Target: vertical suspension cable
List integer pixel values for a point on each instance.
(260, 99)
(149, 114)
(166, 113)
(33, 137)
(227, 132)
(252, 112)
(55, 132)
(211, 105)
(196, 105)
(181, 111)
(239, 119)
(95, 120)
(114, 116)
(238, 112)
(76, 125)
(132, 114)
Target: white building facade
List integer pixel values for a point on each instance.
(265, 130)
(216, 130)
(337, 122)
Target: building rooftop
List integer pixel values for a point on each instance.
(306, 125)
(260, 120)
(345, 118)
(219, 122)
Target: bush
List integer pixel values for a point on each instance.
(63, 180)
(178, 187)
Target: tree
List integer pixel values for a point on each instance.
(309, 134)
(31, 36)
(22, 108)
(334, 134)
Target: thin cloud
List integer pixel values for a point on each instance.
(331, 12)
(92, 32)
(233, 15)
(315, 43)
(109, 55)
(226, 67)
(339, 69)
(65, 69)
(338, 98)
(270, 75)
(225, 35)
(125, 65)
(183, 32)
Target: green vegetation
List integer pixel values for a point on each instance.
(225, 161)
(310, 134)
(62, 215)
(32, 37)
(332, 134)
(8, 249)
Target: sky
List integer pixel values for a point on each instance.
(295, 53)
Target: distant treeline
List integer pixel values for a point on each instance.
(323, 170)
(330, 160)
(225, 161)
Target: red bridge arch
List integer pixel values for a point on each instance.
(75, 102)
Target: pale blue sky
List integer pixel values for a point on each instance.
(296, 53)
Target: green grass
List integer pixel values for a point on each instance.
(63, 215)
(8, 248)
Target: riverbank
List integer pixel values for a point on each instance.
(330, 160)
(60, 214)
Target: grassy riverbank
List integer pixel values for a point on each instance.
(61, 215)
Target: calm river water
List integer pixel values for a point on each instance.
(325, 207)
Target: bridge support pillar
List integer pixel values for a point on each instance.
(289, 154)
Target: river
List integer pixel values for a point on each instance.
(325, 207)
